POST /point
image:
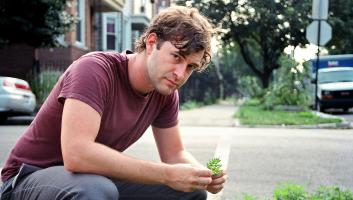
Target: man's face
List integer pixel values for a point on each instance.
(168, 69)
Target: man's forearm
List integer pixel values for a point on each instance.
(183, 157)
(99, 159)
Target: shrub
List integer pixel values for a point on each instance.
(250, 86)
(290, 191)
(190, 105)
(289, 88)
(43, 83)
(332, 193)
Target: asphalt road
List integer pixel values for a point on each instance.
(337, 112)
(259, 159)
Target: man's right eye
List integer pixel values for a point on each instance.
(176, 57)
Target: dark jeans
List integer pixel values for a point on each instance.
(56, 183)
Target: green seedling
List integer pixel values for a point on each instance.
(215, 165)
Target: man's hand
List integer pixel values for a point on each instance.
(217, 183)
(188, 178)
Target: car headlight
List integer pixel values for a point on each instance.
(326, 95)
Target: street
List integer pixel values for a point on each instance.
(259, 159)
(337, 112)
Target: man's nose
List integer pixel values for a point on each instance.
(180, 70)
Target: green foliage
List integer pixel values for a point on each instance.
(332, 193)
(255, 114)
(252, 102)
(249, 197)
(190, 105)
(36, 22)
(249, 86)
(262, 29)
(290, 86)
(215, 165)
(201, 87)
(290, 191)
(43, 83)
(341, 20)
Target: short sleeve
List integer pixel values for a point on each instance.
(168, 117)
(86, 80)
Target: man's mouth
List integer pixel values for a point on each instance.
(172, 83)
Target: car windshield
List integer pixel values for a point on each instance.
(336, 76)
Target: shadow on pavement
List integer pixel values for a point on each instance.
(338, 112)
(18, 120)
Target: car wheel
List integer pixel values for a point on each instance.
(3, 119)
(320, 108)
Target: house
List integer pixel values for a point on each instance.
(102, 25)
(97, 28)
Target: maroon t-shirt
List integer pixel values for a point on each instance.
(101, 80)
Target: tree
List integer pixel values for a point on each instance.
(341, 20)
(264, 26)
(36, 22)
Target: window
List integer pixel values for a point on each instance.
(111, 31)
(80, 25)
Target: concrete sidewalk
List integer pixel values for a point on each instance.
(219, 115)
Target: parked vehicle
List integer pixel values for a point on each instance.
(335, 82)
(335, 88)
(16, 98)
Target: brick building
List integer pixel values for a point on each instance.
(102, 25)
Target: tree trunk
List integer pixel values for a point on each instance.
(219, 76)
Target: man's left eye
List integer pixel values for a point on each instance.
(192, 67)
(176, 57)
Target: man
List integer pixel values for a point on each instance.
(101, 105)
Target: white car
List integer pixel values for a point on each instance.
(335, 88)
(16, 98)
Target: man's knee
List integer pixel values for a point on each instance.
(197, 195)
(96, 187)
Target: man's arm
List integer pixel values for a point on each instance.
(80, 126)
(170, 146)
(172, 151)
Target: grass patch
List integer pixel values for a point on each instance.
(191, 105)
(290, 191)
(251, 113)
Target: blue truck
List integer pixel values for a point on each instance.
(335, 81)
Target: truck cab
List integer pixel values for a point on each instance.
(335, 88)
(335, 82)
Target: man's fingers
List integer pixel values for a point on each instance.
(204, 181)
(215, 188)
(218, 181)
(204, 172)
(223, 173)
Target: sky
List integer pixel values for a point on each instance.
(304, 54)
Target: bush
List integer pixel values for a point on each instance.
(290, 191)
(250, 86)
(289, 87)
(332, 193)
(43, 83)
(190, 105)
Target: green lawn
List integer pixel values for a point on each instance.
(255, 115)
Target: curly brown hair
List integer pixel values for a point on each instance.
(185, 28)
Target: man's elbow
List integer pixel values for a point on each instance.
(72, 161)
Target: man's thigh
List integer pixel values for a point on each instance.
(129, 191)
(57, 183)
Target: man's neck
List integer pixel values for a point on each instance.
(138, 73)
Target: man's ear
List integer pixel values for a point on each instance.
(151, 42)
